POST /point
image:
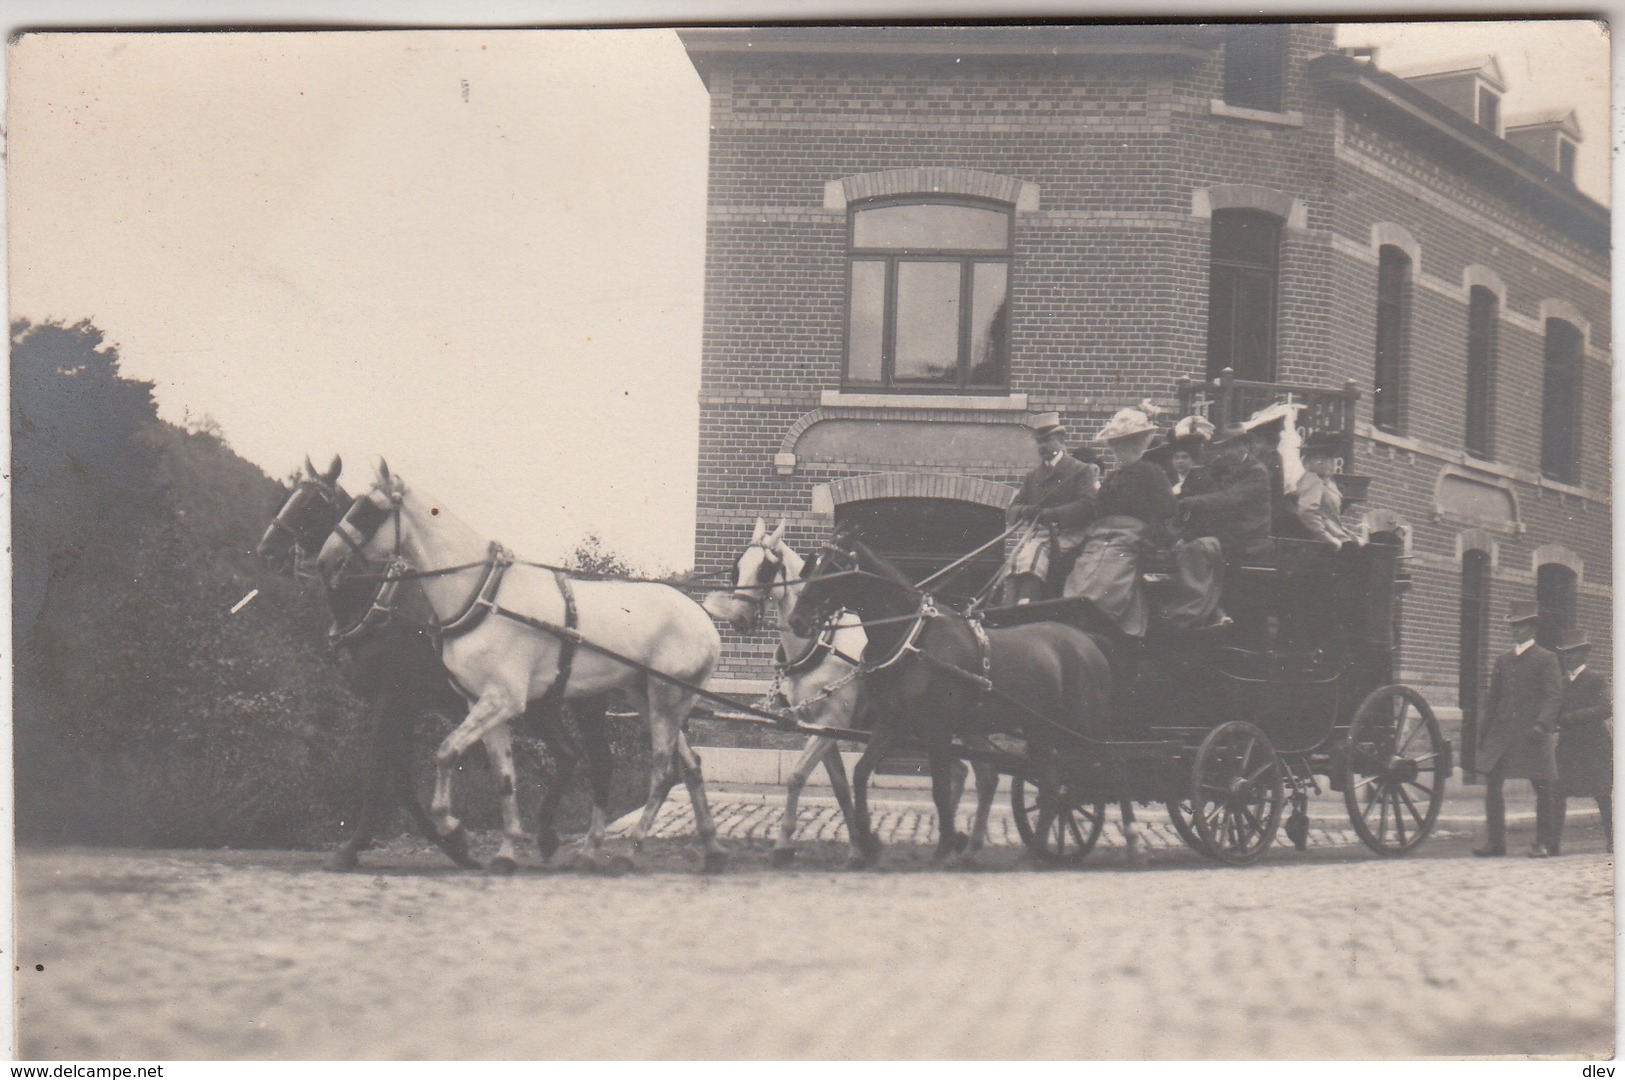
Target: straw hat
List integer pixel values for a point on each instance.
(1126, 423)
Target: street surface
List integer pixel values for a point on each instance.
(1324, 954)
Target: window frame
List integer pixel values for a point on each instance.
(1239, 270)
(1483, 353)
(967, 260)
(1390, 366)
(1266, 44)
(1565, 373)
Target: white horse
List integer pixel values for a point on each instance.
(821, 680)
(493, 615)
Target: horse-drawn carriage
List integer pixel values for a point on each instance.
(1227, 728)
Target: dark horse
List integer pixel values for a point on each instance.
(937, 675)
(395, 668)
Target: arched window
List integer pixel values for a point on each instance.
(1255, 65)
(1555, 591)
(928, 295)
(1483, 340)
(1560, 404)
(1393, 311)
(1244, 267)
(923, 535)
(1475, 612)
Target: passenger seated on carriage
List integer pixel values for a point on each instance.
(1319, 502)
(1133, 510)
(1185, 451)
(1057, 498)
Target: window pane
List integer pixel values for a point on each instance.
(1393, 283)
(1481, 342)
(1559, 441)
(1221, 320)
(989, 325)
(1255, 327)
(1247, 238)
(1254, 62)
(931, 227)
(866, 322)
(927, 322)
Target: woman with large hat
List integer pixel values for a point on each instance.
(1133, 510)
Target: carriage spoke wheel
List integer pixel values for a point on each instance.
(1070, 837)
(1181, 812)
(1397, 766)
(1237, 789)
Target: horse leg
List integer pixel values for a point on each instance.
(716, 856)
(865, 845)
(987, 788)
(784, 849)
(1049, 786)
(595, 743)
(565, 763)
(947, 784)
(375, 787)
(663, 771)
(495, 706)
(499, 749)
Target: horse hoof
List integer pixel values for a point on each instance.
(783, 857)
(548, 844)
(455, 845)
(502, 865)
(343, 859)
(860, 860)
(961, 842)
(622, 864)
(715, 862)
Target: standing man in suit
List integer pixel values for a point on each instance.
(1518, 738)
(1585, 745)
(1057, 501)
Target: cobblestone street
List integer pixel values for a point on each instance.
(1329, 953)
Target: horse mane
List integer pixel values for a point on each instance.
(884, 566)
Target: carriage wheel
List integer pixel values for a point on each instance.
(1180, 813)
(1397, 765)
(1070, 837)
(1238, 790)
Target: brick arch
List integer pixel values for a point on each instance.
(1391, 234)
(1293, 211)
(914, 485)
(1547, 554)
(1486, 278)
(1569, 313)
(1022, 194)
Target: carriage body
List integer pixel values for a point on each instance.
(1301, 687)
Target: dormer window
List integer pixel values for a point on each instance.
(1489, 109)
(1565, 159)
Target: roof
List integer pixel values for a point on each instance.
(1484, 65)
(1560, 117)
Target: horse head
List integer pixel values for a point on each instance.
(841, 574)
(359, 534)
(308, 514)
(760, 568)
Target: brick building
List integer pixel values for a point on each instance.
(920, 239)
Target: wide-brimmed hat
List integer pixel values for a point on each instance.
(1321, 445)
(1522, 611)
(1193, 427)
(1229, 433)
(1572, 641)
(1125, 424)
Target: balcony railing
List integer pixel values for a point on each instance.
(1228, 399)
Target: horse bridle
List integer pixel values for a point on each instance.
(770, 575)
(366, 516)
(283, 522)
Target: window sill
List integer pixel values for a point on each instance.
(1470, 463)
(1220, 107)
(963, 402)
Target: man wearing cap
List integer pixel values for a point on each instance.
(1585, 746)
(1057, 501)
(1518, 737)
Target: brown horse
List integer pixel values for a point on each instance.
(937, 676)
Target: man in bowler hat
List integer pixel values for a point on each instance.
(1518, 738)
(1056, 502)
(1585, 745)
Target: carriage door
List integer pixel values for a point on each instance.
(1475, 609)
(924, 535)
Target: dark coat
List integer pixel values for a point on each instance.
(1140, 491)
(1518, 733)
(1585, 746)
(1235, 507)
(1065, 495)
